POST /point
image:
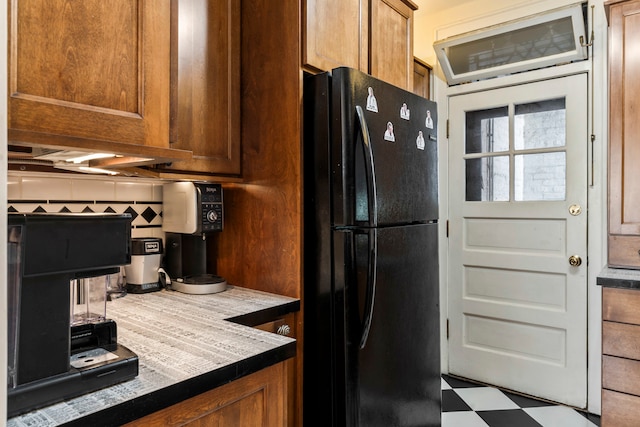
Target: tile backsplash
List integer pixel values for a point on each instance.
(45, 192)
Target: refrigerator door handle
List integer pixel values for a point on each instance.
(372, 191)
(371, 286)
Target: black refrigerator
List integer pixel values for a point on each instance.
(371, 304)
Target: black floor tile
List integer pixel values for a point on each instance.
(451, 402)
(457, 383)
(508, 418)
(527, 402)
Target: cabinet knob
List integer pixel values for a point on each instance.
(284, 330)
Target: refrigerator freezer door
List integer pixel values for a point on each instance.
(395, 378)
(394, 144)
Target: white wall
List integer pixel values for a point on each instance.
(468, 15)
(3, 208)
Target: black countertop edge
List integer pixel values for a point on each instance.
(265, 315)
(617, 283)
(139, 407)
(619, 278)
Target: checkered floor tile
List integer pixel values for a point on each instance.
(466, 404)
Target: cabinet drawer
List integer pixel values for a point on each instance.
(621, 339)
(621, 305)
(624, 251)
(619, 410)
(621, 374)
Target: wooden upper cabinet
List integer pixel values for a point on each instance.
(205, 85)
(391, 50)
(373, 36)
(335, 34)
(421, 78)
(90, 70)
(624, 128)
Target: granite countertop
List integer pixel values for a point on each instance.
(619, 278)
(186, 345)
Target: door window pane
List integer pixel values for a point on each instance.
(540, 176)
(487, 179)
(487, 131)
(540, 124)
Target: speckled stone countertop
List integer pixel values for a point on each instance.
(186, 345)
(619, 278)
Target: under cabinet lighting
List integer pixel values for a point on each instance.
(92, 156)
(82, 167)
(96, 170)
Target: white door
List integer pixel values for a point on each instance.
(518, 230)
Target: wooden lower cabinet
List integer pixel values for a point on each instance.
(255, 400)
(620, 357)
(619, 409)
(286, 325)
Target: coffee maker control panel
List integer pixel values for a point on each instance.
(211, 213)
(211, 217)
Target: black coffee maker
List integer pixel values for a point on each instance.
(51, 357)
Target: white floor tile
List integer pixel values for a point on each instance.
(444, 385)
(558, 416)
(460, 419)
(485, 399)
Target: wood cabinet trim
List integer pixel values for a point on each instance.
(64, 142)
(411, 4)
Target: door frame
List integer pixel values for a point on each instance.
(596, 196)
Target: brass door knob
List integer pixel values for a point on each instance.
(575, 261)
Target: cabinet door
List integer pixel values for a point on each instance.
(335, 34)
(205, 85)
(421, 78)
(90, 69)
(391, 47)
(624, 126)
(253, 401)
